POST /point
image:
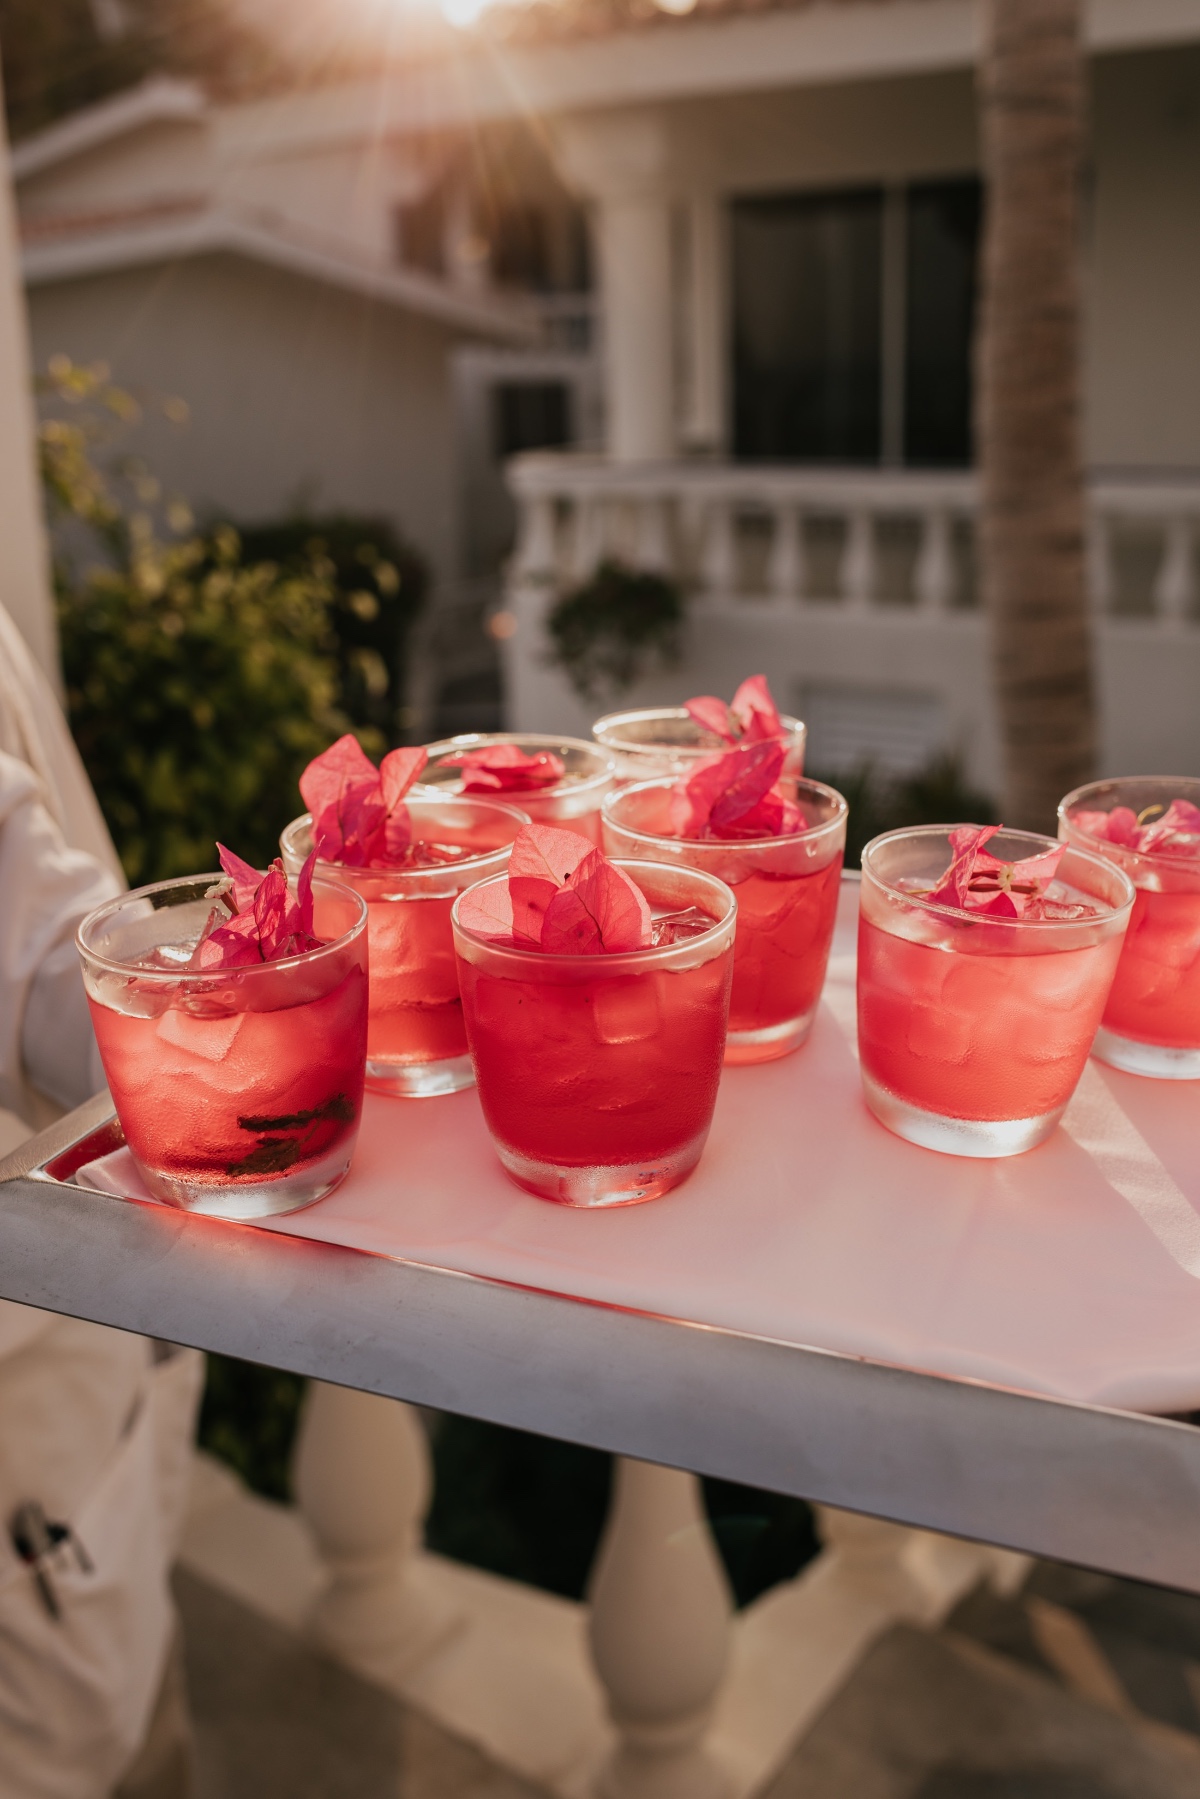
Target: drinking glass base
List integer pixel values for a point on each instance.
(625, 1184)
(978, 1137)
(421, 1080)
(1157, 1060)
(243, 1201)
(767, 1045)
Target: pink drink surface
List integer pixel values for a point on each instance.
(784, 929)
(1155, 996)
(227, 1095)
(598, 1072)
(971, 1032)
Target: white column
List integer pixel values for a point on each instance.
(620, 160)
(660, 1615)
(635, 266)
(363, 1479)
(708, 349)
(24, 563)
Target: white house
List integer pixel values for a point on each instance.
(370, 292)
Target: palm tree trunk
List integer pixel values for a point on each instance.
(1032, 521)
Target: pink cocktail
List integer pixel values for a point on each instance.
(239, 1090)
(973, 1029)
(416, 1043)
(787, 892)
(662, 743)
(598, 1074)
(570, 798)
(1151, 1024)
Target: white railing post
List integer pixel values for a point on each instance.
(1099, 564)
(653, 550)
(660, 1615)
(590, 535)
(536, 555)
(933, 576)
(718, 556)
(786, 571)
(1175, 587)
(363, 1478)
(857, 573)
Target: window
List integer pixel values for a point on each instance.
(420, 233)
(853, 314)
(530, 415)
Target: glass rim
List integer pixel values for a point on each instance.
(209, 976)
(793, 727)
(541, 958)
(481, 739)
(1104, 863)
(1158, 857)
(439, 869)
(813, 834)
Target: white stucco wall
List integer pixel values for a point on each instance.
(296, 390)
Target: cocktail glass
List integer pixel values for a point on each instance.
(1151, 1024)
(787, 893)
(598, 1074)
(416, 1044)
(573, 803)
(664, 742)
(239, 1090)
(973, 1030)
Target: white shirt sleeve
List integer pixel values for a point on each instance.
(45, 890)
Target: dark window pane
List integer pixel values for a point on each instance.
(520, 248)
(943, 247)
(531, 415)
(806, 327)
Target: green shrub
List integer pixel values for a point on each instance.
(378, 585)
(607, 632)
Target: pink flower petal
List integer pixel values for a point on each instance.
(613, 900)
(542, 858)
(270, 909)
(505, 768)
(569, 928)
(1160, 836)
(397, 772)
(1123, 826)
(978, 882)
(758, 767)
(245, 879)
(304, 893)
(712, 715)
(342, 791)
(487, 911)
(756, 711)
(233, 945)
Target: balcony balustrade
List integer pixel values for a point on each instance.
(859, 584)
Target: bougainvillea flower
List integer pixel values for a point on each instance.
(978, 882)
(733, 794)
(542, 860)
(756, 711)
(599, 911)
(1175, 832)
(712, 715)
(562, 896)
(753, 716)
(505, 768)
(255, 918)
(358, 811)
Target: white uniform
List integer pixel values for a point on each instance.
(95, 1426)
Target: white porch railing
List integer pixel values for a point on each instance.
(857, 583)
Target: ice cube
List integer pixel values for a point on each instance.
(211, 1038)
(625, 1009)
(678, 927)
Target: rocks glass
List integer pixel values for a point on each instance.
(973, 1030)
(573, 803)
(1151, 1024)
(598, 1074)
(787, 894)
(664, 742)
(416, 1044)
(239, 1090)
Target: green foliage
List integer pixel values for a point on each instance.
(198, 685)
(379, 585)
(938, 794)
(606, 632)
